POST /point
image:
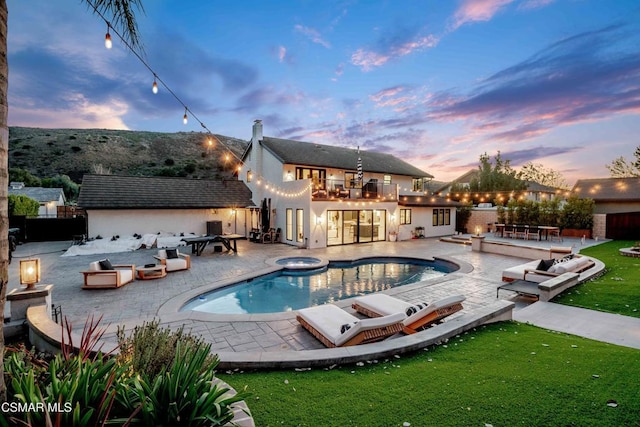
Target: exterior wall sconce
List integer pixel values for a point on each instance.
(249, 175)
(30, 272)
(478, 230)
(318, 220)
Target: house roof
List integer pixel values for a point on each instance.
(609, 189)
(310, 154)
(40, 194)
(140, 192)
(428, 201)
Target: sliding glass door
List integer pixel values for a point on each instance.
(356, 226)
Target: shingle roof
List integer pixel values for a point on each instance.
(40, 194)
(138, 192)
(309, 154)
(609, 189)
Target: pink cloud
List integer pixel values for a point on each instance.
(368, 59)
(313, 35)
(386, 93)
(477, 10)
(282, 53)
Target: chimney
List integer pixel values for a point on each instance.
(257, 131)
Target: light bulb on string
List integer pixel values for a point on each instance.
(107, 39)
(154, 88)
(185, 119)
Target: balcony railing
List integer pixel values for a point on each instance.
(370, 190)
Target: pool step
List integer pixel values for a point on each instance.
(461, 240)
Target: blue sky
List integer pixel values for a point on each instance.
(434, 82)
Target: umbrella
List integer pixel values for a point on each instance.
(359, 166)
(264, 216)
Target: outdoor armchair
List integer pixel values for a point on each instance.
(102, 274)
(173, 259)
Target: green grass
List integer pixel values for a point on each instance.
(503, 374)
(617, 291)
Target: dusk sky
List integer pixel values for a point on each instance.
(434, 82)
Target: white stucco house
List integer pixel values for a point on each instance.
(323, 195)
(128, 205)
(48, 198)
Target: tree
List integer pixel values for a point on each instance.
(495, 176)
(19, 204)
(22, 175)
(122, 18)
(542, 175)
(70, 188)
(621, 168)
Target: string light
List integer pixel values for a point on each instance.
(158, 81)
(107, 38)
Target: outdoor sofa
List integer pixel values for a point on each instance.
(540, 270)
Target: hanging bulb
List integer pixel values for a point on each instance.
(107, 39)
(185, 119)
(154, 89)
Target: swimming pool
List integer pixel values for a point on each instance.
(292, 290)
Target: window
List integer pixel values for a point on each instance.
(405, 216)
(289, 225)
(387, 180)
(300, 225)
(441, 217)
(318, 176)
(416, 184)
(350, 180)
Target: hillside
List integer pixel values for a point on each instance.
(74, 152)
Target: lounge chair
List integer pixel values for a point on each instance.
(335, 327)
(416, 316)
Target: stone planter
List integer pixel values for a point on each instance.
(393, 237)
(576, 232)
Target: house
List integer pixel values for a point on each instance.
(127, 205)
(611, 195)
(533, 191)
(323, 195)
(48, 198)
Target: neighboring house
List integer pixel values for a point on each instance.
(611, 195)
(534, 191)
(49, 198)
(322, 195)
(127, 205)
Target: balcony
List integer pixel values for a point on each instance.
(370, 190)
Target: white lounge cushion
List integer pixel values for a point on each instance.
(517, 272)
(174, 264)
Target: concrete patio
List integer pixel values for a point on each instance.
(272, 340)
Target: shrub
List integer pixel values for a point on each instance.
(169, 162)
(577, 213)
(76, 149)
(149, 348)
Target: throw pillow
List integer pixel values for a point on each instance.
(105, 264)
(344, 328)
(545, 264)
(172, 253)
(415, 308)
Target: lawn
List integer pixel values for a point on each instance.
(497, 375)
(503, 374)
(617, 291)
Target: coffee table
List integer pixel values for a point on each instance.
(148, 273)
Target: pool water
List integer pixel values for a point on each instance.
(293, 290)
